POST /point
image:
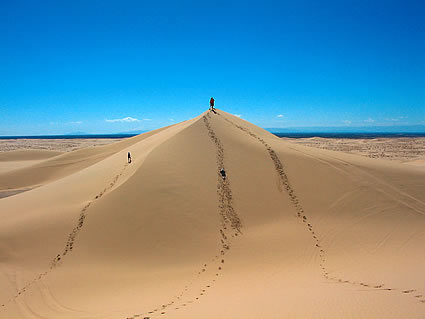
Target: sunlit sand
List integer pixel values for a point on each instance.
(290, 232)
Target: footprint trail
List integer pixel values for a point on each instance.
(303, 217)
(69, 243)
(231, 226)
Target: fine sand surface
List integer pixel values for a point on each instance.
(11, 160)
(292, 232)
(19, 153)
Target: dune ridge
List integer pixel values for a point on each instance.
(64, 164)
(231, 226)
(290, 232)
(84, 211)
(301, 214)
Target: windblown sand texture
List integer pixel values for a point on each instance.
(291, 232)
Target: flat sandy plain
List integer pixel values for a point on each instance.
(59, 145)
(291, 232)
(405, 150)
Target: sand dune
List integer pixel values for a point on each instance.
(291, 232)
(27, 155)
(65, 164)
(19, 159)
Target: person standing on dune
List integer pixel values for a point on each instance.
(128, 157)
(212, 104)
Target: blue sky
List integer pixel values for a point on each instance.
(113, 66)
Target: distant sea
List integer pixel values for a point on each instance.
(66, 137)
(280, 134)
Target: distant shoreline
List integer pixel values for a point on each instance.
(66, 137)
(364, 135)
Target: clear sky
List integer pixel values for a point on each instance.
(113, 66)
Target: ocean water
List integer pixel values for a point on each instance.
(288, 135)
(66, 137)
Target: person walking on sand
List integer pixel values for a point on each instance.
(212, 104)
(223, 173)
(128, 157)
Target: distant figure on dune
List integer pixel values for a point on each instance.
(223, 173)
(129, 157)
(212, 104)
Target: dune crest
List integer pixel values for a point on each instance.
(287, 231)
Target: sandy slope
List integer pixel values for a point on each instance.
(27, 155)
(293, 232)
(19, 159)
(65, 164)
